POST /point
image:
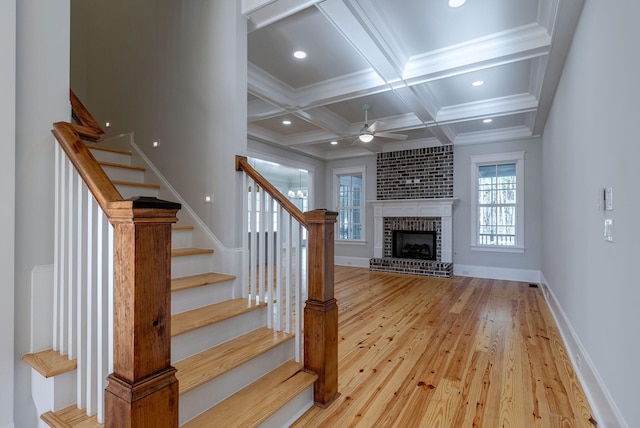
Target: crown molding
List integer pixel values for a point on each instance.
(512, 104)
(525, 42)
(514, 133)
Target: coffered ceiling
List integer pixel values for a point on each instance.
(412, 62)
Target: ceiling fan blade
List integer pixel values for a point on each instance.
(375, 126)
(391, 135)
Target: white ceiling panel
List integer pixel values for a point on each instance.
(412, 62)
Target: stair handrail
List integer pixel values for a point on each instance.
(143, 385)
(320, 333)
(242, 164)
(86, 125)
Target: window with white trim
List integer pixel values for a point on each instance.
(497, 202)
(349, 191)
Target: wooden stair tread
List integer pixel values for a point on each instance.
(70, 417)
(123, 166)
(213, 362)
(266, 395)
(193, 281)
(134, 184)
(181, 252)
(50, 363)
(181, 227)
(106, 149)
(185, 322)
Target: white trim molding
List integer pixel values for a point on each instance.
(362, 262)
(507, 274)
(605, 410)
(440, 207)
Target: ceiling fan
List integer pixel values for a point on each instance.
(368, 132)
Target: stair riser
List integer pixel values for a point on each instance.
(191, 343)
(182, 239)
(124, 174)
(54, 393)
(185, 300)
(133, 191)
(191, 265)
(200, 399)
(292, 411)
(102, 156)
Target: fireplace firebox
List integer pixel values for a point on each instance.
(411, 244)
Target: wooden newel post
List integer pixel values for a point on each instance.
(143, 389)
(321, 310)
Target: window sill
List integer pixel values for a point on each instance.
(497, 249)
(351, 241)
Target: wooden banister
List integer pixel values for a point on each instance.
(86, 126)
(143, 389)
(91, 172)
(242, 164)
(321, 309)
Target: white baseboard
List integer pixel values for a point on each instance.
(351, 261)
(508, 274)
(605, 410)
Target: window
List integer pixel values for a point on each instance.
(348, 188)
(497, 202)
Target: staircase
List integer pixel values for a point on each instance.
(232, 369)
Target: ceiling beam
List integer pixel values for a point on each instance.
(261, 13)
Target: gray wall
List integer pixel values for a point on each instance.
(42, 97)
(530, 259)
(182, 81)
(591, 141)
(346, 249)
(314, 166)
(7, 214)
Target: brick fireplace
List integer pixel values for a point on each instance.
(414, 193)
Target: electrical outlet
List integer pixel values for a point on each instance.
(608, 199)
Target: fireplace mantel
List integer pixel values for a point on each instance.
(441, 207)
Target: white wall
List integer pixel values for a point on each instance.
(7, 189)
(478, 261)
(42, 97)
(591, 141)
(174, 71)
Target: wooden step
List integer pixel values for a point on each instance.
(181, 252)
(134, 184)
(106, 149)
(193, 281)
(213, 362)
(123, 166)
(50, 363)
(181, 227)
(265, 396)
(185, 322)
(70, 417)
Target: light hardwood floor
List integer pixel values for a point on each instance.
(462, 352)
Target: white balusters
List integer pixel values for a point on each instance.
(83, 284)
(274, 261)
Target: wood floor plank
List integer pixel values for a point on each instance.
(430, 352)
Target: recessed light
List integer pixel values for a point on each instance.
(286, 122)
(478, 83)
(487, 121)
(300, 54)
(334, 143)
(456, 3)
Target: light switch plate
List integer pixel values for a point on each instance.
(608, 229)
(608, 199)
